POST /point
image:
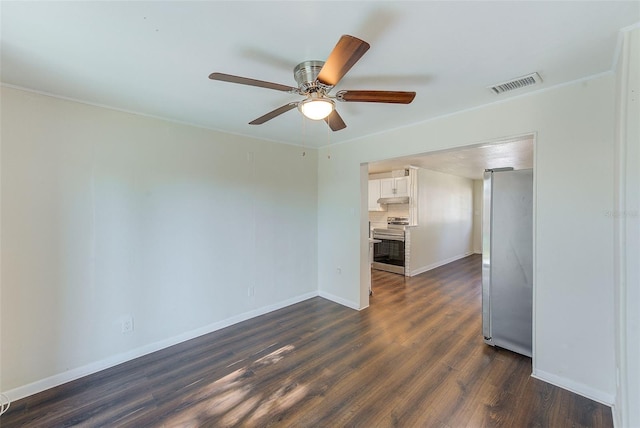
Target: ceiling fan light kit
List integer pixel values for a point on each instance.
(316, 107)
(316, 79)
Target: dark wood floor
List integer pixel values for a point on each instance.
(414, 358)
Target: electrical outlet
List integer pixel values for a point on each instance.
(127, 324)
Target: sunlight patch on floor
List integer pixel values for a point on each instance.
(231, 398)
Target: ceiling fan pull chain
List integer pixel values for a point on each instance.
(329, 137)
(304, 136)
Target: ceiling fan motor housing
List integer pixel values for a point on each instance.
(306, 74)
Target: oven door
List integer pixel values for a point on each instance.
(388, 255)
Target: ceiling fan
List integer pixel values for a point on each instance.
(316, 79)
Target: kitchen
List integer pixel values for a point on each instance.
(433, 203)
(432, 226)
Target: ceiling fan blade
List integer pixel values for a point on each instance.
(251, 82)
(334, 121)
(345, 54)
(277, 112)
(395, 97)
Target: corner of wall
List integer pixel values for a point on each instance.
(627, 230)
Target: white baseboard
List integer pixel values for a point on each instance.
(73, 374)
(424, 269)
(339, 300)
(576, 387)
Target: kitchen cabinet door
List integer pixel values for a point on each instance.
(394, 187)
(387, 187)
(374, 195)
(402, 186)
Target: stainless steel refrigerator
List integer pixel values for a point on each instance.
(507, 259)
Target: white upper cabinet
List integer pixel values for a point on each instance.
(387, 186)
(374, 195)
(394, 187)
(402, 186)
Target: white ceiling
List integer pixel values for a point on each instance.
(469, 162)
(154, 58)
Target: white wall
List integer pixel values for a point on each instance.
(573, 276)
(107, 214)
(445, 221)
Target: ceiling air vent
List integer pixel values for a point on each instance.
(520, 82)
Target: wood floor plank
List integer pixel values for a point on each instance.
(415, 357)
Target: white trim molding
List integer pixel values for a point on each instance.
(431, 266)
(76, 373)
(578, 388)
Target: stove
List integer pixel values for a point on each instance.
(388, 254)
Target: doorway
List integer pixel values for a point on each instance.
(450, 186)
